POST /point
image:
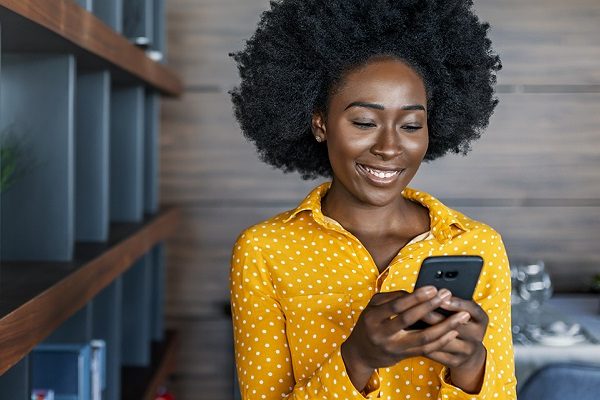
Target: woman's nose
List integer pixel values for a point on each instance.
(388, 144)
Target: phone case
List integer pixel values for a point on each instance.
(459, 274)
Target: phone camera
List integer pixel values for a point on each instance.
(451, 274)
(439, 274)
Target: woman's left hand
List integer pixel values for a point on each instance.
(465, 355)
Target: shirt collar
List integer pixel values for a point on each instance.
(444, 223)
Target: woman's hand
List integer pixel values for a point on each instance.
(379, 338)
(465, 355)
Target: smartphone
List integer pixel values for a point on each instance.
(458, 274)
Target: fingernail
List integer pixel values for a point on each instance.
(429, 290)
(444, 294)
(463, 317)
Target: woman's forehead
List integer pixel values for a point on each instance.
(391, 83)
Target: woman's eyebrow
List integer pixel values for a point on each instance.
(381, 107)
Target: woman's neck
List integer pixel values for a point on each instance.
(399, 217)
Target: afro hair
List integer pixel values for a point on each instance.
(302, 49)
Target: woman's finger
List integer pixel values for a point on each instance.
(432, 346)
(420, 340)
(395, 307)
(405, 311)
(443, 358)
(454, 353)
(433, 318)
(385, 297)
(466, 331)
(457, 304)
(471, 331)
(457, 347)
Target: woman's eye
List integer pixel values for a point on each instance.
(411, 128)
(364, 125)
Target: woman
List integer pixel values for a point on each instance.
(363, 91)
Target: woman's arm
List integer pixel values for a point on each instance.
(262, 354)
(489, 371)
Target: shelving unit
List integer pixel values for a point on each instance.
(62, 26)
(36, 297)
(82, 253)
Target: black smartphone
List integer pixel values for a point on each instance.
(458, 274)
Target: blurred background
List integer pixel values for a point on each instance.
(533, 175)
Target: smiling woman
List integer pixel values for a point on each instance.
(323, 295)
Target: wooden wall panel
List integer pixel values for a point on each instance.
(537, 146)
(202, 33)
(204, 368)
(545, 41)
(540, 41)
(204, 156)
(199, 338)
(194, 387)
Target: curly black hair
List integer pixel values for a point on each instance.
(302, 48)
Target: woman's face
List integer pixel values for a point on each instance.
(376, 130)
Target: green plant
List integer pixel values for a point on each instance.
(14, 162)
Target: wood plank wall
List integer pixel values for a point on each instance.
(534, 175)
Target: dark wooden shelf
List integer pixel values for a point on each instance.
(36, 297)
(52, 26)
(142, 383)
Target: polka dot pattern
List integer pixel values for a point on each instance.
(299, 281)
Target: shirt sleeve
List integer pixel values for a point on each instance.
(493, 295)
(262, 354)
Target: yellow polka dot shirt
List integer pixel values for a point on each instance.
(299, 281)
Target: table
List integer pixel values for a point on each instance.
(583, 309)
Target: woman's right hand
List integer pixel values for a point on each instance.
(380, 339)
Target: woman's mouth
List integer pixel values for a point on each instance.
(379, 176)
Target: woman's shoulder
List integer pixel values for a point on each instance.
(477, 230)
(286, 223)
(472, 224)
(266, 230)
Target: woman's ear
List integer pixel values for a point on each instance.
(319, 129)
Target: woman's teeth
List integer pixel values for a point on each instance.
(381, 174)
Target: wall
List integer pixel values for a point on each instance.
(532, 176)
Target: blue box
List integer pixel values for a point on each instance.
(64, 368)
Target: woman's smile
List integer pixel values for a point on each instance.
(379, 176)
